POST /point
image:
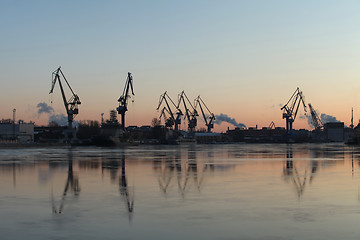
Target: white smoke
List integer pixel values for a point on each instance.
(327, 118)
(225, 118)
(61, 120)
(323, 117)
(44, 108)
(310, 120)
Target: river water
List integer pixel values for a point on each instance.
(225, 191)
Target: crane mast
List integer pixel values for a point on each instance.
(208, 119)
(315, 118)
(190, 115)
(71, 105)
(291, 108)
(169, 122)
(123, 100)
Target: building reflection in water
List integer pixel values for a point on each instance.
(72, 185)
(113, 165)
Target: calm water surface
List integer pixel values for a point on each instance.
(235, 191)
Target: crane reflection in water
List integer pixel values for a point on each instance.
(113, 164)
(125, 191)
(71, 184)
(299, 178)
(172, 165)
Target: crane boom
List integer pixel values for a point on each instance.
(315, 118)
(172, 120)
(190, 115)
(291, 108)
(71, 105)
(123, 99)
(169, 122)
(208, 119)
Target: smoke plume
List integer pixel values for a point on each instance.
(323, 117)
(44, 108)
(61, 120)
(310, 120)
(327, 118)
(225, 118)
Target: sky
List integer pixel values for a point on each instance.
(244, 58)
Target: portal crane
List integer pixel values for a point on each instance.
(172, 120)
(190, 115)
(272, 125)
(291, 108)
(71, 105)
(123, 100)
(209, 118)
(315, 118)
(169, 122)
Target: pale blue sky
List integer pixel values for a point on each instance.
(243, 57)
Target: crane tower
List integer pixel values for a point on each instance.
(123, 100)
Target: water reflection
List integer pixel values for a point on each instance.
(302, 171)
(206, 187)
(125, 191)
(112, 164)
(184, 172)
(291, 173)
(72, 184)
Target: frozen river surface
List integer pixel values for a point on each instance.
(235, 191)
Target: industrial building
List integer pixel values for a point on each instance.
(334, 131)
(17, 132)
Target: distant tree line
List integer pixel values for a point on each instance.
(88, 129)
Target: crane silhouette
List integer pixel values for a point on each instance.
(123, 99)
(71, 105)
